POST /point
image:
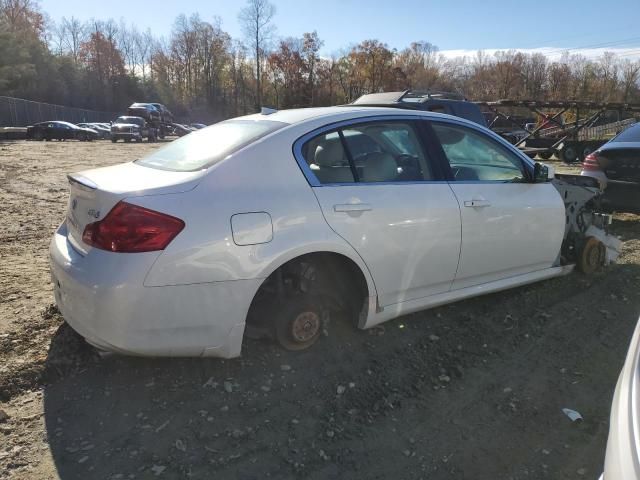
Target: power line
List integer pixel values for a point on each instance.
(596, 45)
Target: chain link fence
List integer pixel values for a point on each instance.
(17, 112)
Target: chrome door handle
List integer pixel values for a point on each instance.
(477, 203)
(352, 207)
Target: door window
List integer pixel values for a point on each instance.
(474, 157)
(371, 152)
(327, 159)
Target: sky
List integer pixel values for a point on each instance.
(459, 27)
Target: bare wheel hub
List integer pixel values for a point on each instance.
(305, 326)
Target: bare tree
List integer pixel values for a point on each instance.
(255, 19)
(73, 34)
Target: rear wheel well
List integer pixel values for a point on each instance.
(333, 280)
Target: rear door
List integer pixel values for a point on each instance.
(510, 226)
(379, 190)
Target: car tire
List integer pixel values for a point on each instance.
(298, 323)
(569, 154)
(113, 140)
(545, 155)
(127, 140)
(38, 136)
(586, 151)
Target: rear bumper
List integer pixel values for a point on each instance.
(102, 297)
(622, 196)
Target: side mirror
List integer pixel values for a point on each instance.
(542, 173)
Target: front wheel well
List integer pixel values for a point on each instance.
(332, 279)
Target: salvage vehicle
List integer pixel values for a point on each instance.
(616, 165)
(622, 458)
(58, 130)
(132, 128)
(275, 223)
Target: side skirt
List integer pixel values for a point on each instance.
(392, 311)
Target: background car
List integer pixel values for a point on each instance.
(622, 459)
(165, 114)
(147, 111)
(616, 165)
(129, 128)
(102, 131)
(181, 130)
(59, 130)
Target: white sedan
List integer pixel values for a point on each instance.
(271, 223)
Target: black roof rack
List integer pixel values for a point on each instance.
(407, 97)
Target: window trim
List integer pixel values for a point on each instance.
(416, 120)
(526, 163)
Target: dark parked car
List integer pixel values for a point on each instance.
(130, 128)
(102, 131)
(60, 131)
(616, 165)
(182, 130)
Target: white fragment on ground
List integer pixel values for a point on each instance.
(158, 469)
(162, 427)
(572, 414)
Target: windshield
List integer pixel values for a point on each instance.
(203, 148)
(631, 134)
(129, 120)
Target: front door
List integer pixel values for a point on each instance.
(510, 226)
(375, 184)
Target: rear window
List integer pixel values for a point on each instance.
(203, 148)
(631, 134)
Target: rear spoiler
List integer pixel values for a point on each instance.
(82, 182)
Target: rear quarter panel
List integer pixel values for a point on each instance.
(263, 177)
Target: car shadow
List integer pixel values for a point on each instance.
(111, 416)
(345, 405)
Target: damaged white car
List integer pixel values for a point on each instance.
(273, 223)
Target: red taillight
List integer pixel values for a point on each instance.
(131, 229)
(591, 162)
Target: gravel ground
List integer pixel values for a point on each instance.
(470, 390)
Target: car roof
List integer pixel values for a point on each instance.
(342, 112)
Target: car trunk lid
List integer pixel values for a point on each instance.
(621, 162)
(93, 193)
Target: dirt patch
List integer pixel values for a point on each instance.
(470, 390)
